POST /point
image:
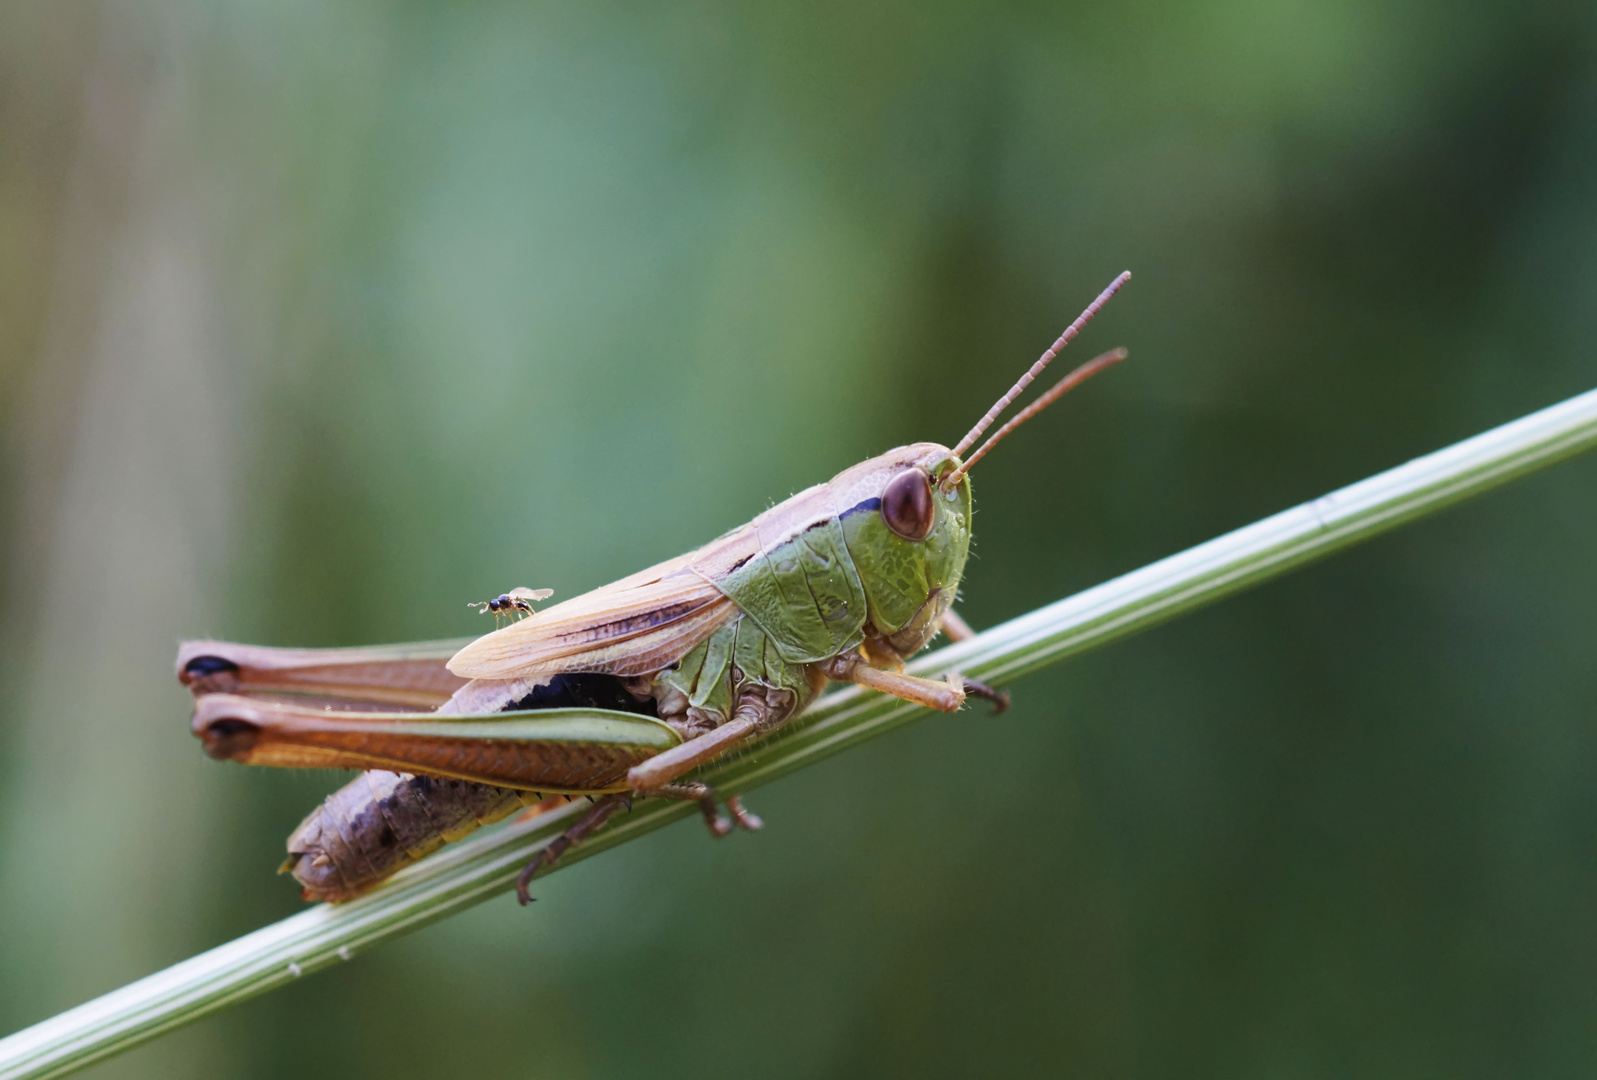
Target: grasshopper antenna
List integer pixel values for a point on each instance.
(1036, 369)
(1025, 380)
(1060, 389)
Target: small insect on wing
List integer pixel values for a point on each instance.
(625, 632)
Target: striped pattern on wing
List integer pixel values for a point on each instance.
(614, 630)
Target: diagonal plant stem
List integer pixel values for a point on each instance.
(486, 865)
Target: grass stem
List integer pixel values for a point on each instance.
(486, 865)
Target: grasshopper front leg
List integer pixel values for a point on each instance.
(947, 696)
(955, 627)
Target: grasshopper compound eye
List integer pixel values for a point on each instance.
(907, 505)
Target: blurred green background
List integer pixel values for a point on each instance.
(318, 321)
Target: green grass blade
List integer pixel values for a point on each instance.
(486, 865)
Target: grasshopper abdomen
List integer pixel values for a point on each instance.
(382, 821)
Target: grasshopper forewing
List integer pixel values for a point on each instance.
(626, 689)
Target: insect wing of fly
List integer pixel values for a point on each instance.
(574, 751)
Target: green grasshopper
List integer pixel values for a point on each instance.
(624, 691)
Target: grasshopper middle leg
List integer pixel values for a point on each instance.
(754, 715)
(708, 801)
(658, 775)
(948, 695)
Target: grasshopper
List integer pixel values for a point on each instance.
(624, 691)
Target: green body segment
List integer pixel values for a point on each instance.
(737, 655)
(805, 593)
(902, 575)
(819, 593)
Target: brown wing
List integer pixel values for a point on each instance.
(632, 627)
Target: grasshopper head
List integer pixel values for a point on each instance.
(908, 537)
(906, 515)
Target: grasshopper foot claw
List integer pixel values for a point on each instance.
(742, 817)
(524, 880)
(585, 826)
(709, 806)
(718, 825)
(976, 689)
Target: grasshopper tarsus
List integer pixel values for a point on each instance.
(744, 819)
(524, 879)
(740, 817)
(709, 805)
(602, 809)
(999, 699)
(585, 826)
(705, 796)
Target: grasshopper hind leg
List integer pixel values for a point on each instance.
(585, 826)
(603, 809)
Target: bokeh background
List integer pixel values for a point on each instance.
(318, 321)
